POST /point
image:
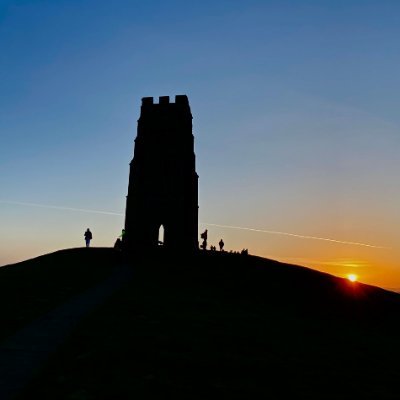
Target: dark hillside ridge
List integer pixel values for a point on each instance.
(277, 284)
(57, 275)
(72, 255)
(30, 288)
(220, 325)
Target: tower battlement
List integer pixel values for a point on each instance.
(181, 99)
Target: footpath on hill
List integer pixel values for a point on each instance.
(23, 354)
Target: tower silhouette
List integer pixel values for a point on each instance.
(163, 183)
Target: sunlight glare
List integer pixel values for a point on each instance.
(352, 277)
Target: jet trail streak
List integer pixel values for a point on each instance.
(296, 235)
(19, 203)
(204, 223)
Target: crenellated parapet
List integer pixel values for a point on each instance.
(165, 114)
(180, 99)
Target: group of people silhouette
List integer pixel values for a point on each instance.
(221, 244)
(203, 245)
(204, 235)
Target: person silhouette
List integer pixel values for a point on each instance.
(122, 235)
(221, 245)
(88, 237)
(204, 237)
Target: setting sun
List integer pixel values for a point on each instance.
(352, 277)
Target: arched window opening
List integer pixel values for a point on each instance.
(161, 235)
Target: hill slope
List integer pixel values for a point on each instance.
(229, 326)
(30, 288)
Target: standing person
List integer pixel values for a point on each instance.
(221, 245)
(88, 237)
(204, 237)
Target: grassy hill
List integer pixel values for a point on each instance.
(31, 288)
(214, 325)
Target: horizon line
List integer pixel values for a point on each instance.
(300, 236)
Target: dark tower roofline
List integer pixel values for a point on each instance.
(162, 100)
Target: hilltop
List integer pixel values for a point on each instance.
(216, 324)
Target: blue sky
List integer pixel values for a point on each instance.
(296, 121)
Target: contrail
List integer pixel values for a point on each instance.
(20, 203)
(296, 235)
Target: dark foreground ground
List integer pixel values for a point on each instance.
(214, 325)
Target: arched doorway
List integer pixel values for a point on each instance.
(161, 235)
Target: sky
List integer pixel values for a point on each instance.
(295, 116)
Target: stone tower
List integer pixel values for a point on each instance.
(163, 181)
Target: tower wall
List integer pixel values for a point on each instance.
(163, 183)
